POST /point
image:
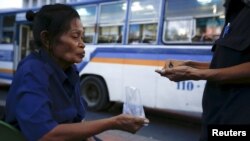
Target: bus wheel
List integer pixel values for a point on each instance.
(95, 93)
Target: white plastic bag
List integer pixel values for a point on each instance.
(132, 103)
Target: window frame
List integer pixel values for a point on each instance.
(99, 24)
(193, 32)
(156, 20)
(94, 24)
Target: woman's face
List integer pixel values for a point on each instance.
(69, 48)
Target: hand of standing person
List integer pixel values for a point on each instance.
(179, 70)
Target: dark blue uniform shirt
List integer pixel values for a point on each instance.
(43, 95)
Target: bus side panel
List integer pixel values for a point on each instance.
(126, 66)
(183, 95)
(95, 63)
(180, 96)
(143, 78)
(112, 75)
(120, 67)
(6, 63)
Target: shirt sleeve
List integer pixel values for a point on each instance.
(33, 105)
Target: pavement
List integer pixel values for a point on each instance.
(116, 135)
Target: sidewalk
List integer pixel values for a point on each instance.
(116, 135)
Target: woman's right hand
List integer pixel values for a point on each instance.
(129, 123)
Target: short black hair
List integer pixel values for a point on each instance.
(54, 18)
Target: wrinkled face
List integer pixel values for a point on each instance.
(69, 48)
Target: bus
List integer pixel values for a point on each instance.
(126, 40)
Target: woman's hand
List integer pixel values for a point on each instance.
(129, 123)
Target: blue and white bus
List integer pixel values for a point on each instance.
(126, 40)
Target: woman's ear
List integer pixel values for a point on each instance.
(44, 35)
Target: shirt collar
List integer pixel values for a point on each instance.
(71, 73)
(56, 69)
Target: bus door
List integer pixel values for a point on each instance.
(24, 41)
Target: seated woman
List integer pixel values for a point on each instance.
(44, 100)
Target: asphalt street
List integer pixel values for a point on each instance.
(163, 126)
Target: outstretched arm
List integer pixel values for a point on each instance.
(86, 129)
(239, 74)
(197, 65)
(193, 64)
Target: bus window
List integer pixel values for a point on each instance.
(8, 29)
(25, 3)
(8, 21)
(142, 33)
(88, 17)
(208, 29)
(34, 3)
(205, 21)
(144, 16)
(110, 34)
(89, 34)
(111, 21)
(178, 30)
(7, 37)
(52, 1)
(145, 9)
(62, 1)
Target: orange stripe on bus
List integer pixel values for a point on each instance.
(6, 71)
(129, 61)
